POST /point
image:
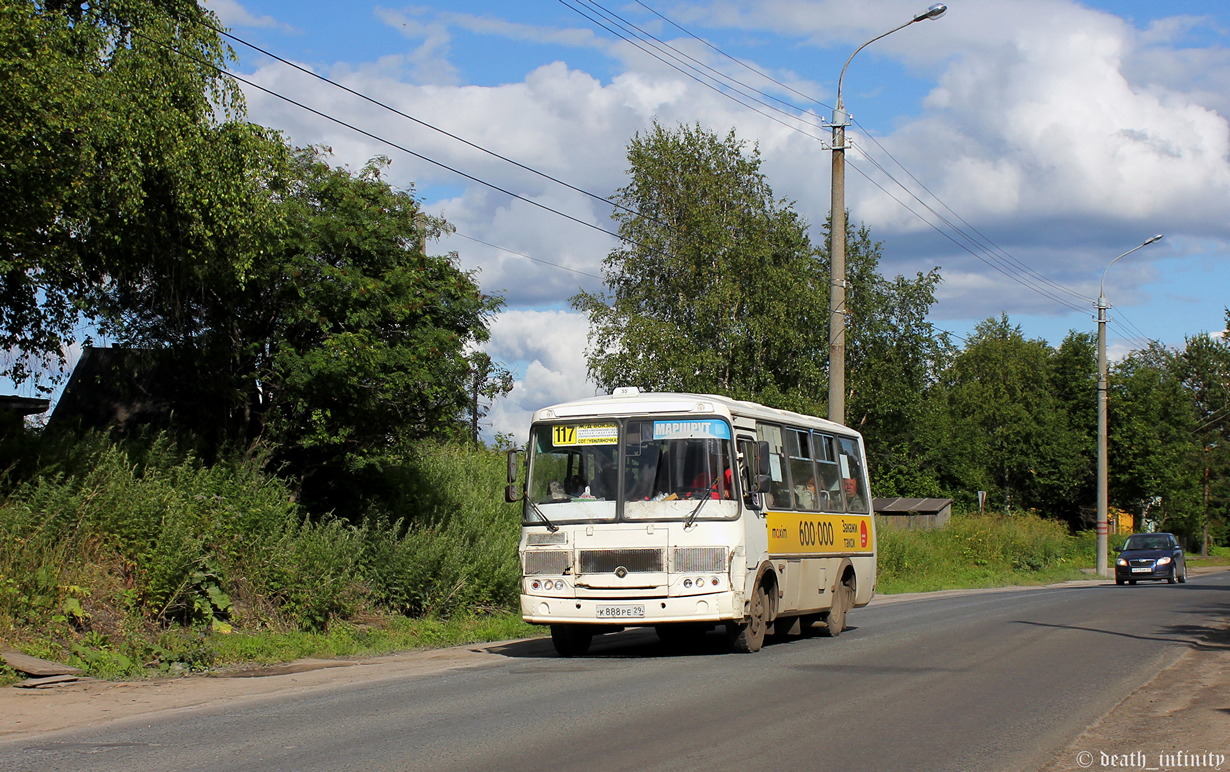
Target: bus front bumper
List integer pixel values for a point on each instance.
(632, 612)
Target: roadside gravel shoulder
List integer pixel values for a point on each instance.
(1178, 720)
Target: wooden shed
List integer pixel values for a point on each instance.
(913, 513)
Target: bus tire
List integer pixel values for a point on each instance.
(571, 640)
(748, 636)
(842, 600)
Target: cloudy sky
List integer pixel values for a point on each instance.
(1020, 147)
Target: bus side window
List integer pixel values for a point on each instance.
(853, 485)
(828, 477)
(778, 496)
(802, 471)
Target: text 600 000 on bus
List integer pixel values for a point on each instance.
(689, 513)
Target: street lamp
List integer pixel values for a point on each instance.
(837, 233)
(1103, 526)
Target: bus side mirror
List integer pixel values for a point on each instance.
(762, 459)
(511, 492)
(762, 483)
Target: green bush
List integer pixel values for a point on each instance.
(115, 546)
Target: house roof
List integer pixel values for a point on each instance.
(23, 405)
(903, 506)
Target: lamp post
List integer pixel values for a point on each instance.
(837, 234)
(1103, 526)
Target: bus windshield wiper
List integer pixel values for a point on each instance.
(688, 523)
(552, 527)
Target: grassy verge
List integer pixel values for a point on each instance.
(129, 560)
(986, 551)
(1218, 556)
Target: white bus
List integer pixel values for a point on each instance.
(688, 511)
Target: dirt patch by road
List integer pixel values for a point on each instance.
(29, 712)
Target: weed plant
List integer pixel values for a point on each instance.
(980, 551)
(128, 558)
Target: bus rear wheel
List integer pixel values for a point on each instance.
(748, 636)
(571, 640)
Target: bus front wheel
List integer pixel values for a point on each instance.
(748, 636)
(571, 640)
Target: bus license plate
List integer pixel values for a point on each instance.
(620, 612)
(1142, 570)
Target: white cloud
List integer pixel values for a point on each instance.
(1063, 137)
(233, 14)
(551, 344)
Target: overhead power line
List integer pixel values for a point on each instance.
(419, 121)
(390, 143)
(978, 244)
(979, 247)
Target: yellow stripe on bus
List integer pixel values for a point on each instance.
(809, 533)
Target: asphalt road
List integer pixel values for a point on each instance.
(991, 681)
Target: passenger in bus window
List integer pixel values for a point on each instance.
(574, 485)
(602, 481)
(718, 486)
(805, 494)
(854, 498)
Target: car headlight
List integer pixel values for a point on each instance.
(1121, 562)
(1164, 561)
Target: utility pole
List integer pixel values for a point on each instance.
(1103, 526)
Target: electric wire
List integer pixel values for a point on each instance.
(616, 19)
(958, 243)
(696, 77)
(982, 243)
(419, 121)
(528, 257)
(390, 143)
(736, 60)
(986, 242)
(660, 44)
(1135, 331)
(989, 259)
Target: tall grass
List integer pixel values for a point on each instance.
(980, 551)
(118, 551)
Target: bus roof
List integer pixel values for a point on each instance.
(630, 401)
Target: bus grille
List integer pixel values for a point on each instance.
(546, 562)
(700, 559)
(637, 561)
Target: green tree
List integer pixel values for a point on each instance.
(336, 339)
(715, 288)
(1074, 381)
(1204, 367)
(1153, 446)
(1010, 435)
(105, 108)
(893, 360)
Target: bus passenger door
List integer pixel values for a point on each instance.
(755, 526)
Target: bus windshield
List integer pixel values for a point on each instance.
(633, 469)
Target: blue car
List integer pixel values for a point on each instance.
(1150, 556)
